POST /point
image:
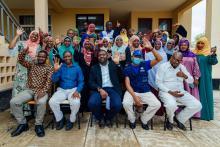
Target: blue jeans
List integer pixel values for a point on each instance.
(95, 104)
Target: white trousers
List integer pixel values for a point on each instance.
(192, 106)
(147, 98)
(58, 97)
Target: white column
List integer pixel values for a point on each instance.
(41, 14)
(185, 19)
(213, 30)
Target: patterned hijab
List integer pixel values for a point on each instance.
(131, 40)
(206, 49)
(186, 53)
(33, 45)
(88, 53)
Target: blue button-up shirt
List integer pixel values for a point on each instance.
(69, 77)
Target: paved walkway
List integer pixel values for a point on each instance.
(205, 134)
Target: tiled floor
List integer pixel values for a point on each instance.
(204, 134)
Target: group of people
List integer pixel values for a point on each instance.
(141, 72)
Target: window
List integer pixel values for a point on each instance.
(28, 23)
(165, 24)
(97, 19)
(144, 25)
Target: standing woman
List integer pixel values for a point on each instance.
(66, 46)
(118, 50)
(176, 38)
(86, 60)
(134, 44)
(51, 50)
(190, 62)
(152, 73)
(123, 34)
(76, 40)
(90, 34)
(15, 47)
(169, 48)
(206, 58)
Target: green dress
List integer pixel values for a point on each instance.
(205, 85)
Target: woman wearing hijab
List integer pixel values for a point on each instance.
(123, 34)
(90, 34)
(20, 80)
(176, 38)
(118, 50)
(206, 58)
(106, 45)
(169, 48)
(51, 50)
(86, 60)
(76, 39)
(66, 46)
(149, 56)
(190, 62)
(134, 44)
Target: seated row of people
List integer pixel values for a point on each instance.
(105, 81)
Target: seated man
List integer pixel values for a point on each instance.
(70, 78)
(169, 79)
(138, 90)
(38, 86)
(104, 81)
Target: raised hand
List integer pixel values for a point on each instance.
(213, 50)
(26, 49)
(116, 58)
(56, 64)
(57, 41)
(118, 24)
(19, 31)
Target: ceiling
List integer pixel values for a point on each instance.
(118, 8)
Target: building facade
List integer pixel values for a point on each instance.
(57, 16)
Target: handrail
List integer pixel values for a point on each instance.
(5, 11)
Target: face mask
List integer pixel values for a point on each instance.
(136, 61)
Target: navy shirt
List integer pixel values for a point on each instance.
(69, 77)
(138, 76)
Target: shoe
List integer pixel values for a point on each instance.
(144, 126)
(169, 125)
(60, 124)
(20, 128)
(132, 125)
(101, 123)
(109, 123)
(179, 124)
(69, 125)
(39, 129)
